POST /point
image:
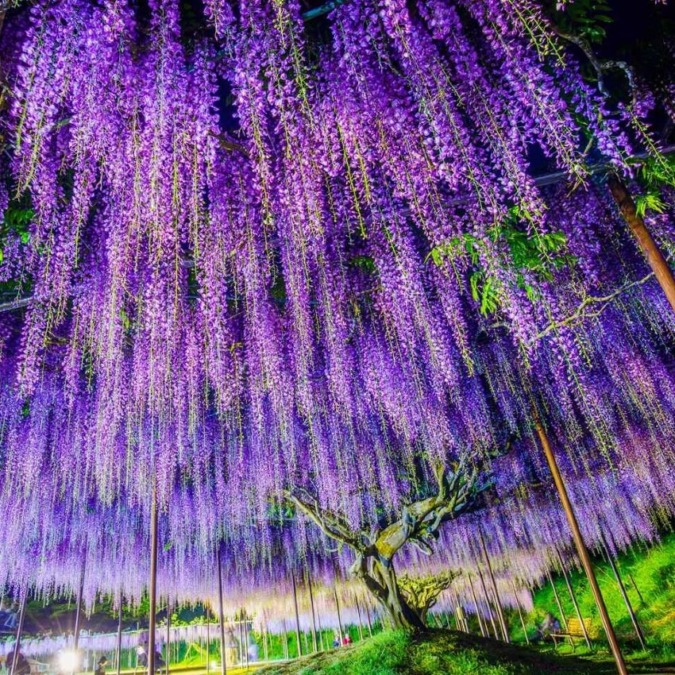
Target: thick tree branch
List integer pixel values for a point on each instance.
(331, 524)
(601, 66)
(590, 307)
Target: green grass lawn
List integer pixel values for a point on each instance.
(649, 577)
(446, 652)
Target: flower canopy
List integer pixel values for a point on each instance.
(269, 252)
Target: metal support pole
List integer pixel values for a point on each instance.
(500, 613)
(582, 551)
(487, 604)
(624, 595)
(19, 629)
(246, 636)
(297, 614)
(221, 616)
(637, 590)
(563, 618)
(208, 643)
(475, 603)
(311, 604)
(265, 635)
(657, 262)
(337, 604)
(119, 635)
(520, 611)
(168, 635)
(283, 627)
(152, 622)
(570, 590)
(78, 608)
(358, 611)
(370, 625)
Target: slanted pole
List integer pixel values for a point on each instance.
(246, 636)
(624, 595)
(152, 619)
(339, 615)
(635, 586)
(119, 635)
(358, 611)
(297, 613)
(563, 618)
(487, 603)
(657, 262)
(78, 608)
(475, 604)
(500, 612)
(221, 615)
(168, 635)
(208, 641)
(19, 628)
(582, 551)
(520, 611)
(370, 625)
(265, 635)
(570, 590)
(283, 626)
(311, 604)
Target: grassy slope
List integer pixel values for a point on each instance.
(653, 571)
(445, 652)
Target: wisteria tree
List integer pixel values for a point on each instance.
(457, 490)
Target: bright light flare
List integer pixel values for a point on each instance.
(69, 661)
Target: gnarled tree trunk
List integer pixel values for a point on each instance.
(458, 489)
(380, 579)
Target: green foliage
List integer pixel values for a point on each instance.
(587, 19)
(534, 253)
(655, 173)
(16, 219)
(363, 262)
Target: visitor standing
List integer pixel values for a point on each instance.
(100, 666)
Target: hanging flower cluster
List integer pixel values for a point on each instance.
(264, 257)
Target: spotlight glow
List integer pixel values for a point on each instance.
(69, 661)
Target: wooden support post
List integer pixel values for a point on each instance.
(19, 628)
(475, 604)
(297, 614)
(657, 262)
(265, 635)
(221, 616)
(570, 590)
(520, 611)
(119, 635)
(500, 612)
(152, 619)
(311, 604)
(582, 551)
(624, 595)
